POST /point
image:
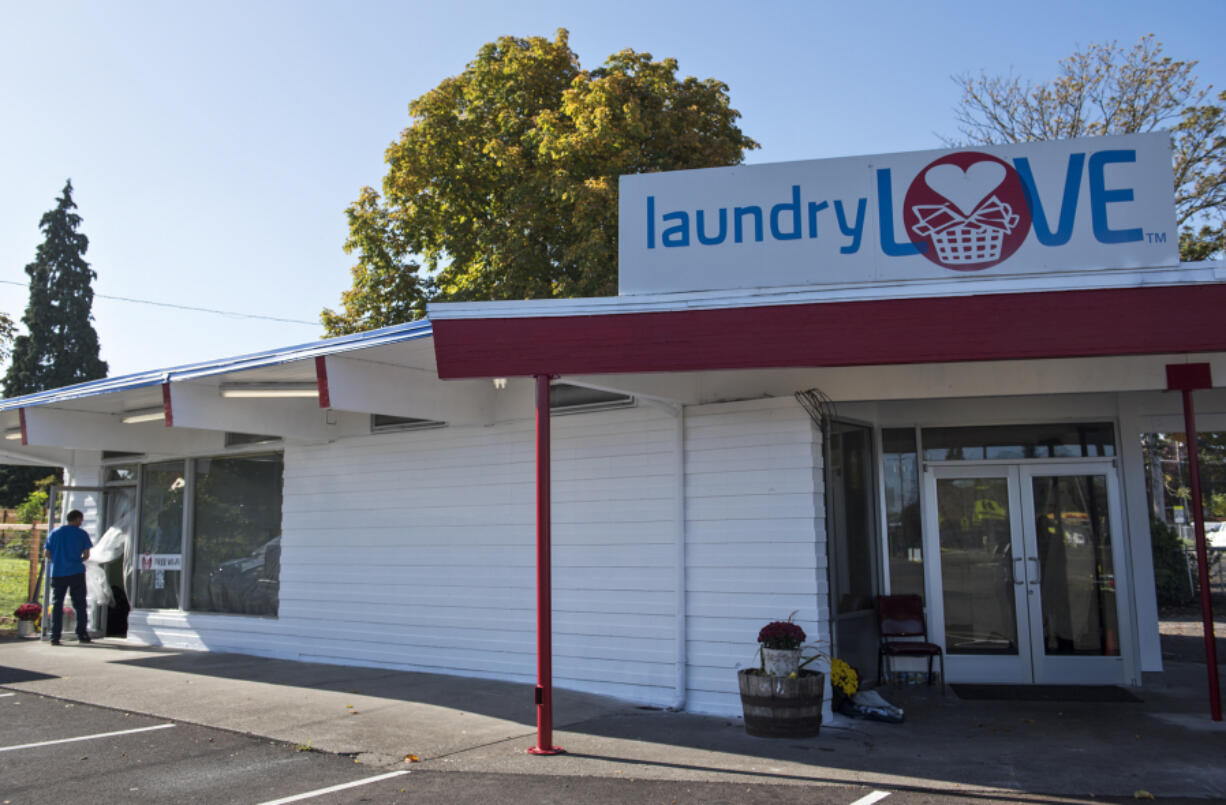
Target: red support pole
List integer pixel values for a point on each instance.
(544, 582)
(1202, 555)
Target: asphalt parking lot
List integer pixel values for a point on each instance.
(57, 751)
(53, 750)
(65, 752)
(143, 724)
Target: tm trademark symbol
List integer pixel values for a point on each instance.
(1155, 237)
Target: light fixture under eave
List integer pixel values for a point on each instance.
(269, 391)
(13, 434)
(143, 415)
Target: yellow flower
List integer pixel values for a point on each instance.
(843, 677)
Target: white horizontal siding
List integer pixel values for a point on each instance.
(755, 538)
(417, 550)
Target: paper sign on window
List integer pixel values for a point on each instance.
(161, 561)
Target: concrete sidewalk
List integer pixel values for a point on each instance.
(1166, 744)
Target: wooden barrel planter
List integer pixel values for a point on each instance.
(782, 707)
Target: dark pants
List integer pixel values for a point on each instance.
(75, 586)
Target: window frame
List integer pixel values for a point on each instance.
(188, 527)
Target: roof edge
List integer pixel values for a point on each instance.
(1204, 272)
(396, 333)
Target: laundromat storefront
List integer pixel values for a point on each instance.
(941, 406)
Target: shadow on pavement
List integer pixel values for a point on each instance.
(1047, 748)
(12, 676)
(504, 700)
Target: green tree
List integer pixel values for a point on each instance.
(504, 186)
(60, 346)
(1105, 89)
(8, 331)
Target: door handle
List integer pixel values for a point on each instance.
(1038, 578)
(1018, 577)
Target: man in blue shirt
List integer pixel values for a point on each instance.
(67, 549)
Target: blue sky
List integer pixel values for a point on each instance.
(214, 147)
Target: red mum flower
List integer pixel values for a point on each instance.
(782, 635)
(28, 612)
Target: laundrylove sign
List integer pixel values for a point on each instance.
(1098, 203)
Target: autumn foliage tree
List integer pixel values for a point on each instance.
(1106, 89)
(504, 186)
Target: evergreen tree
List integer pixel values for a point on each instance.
(60, 346)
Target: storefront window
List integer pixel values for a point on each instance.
(902, 509)
(160, 545)
(120, 473)
(236, 535)
(851, 521)
(1015, 442)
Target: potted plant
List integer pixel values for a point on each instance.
(780, 644)
(847, 698)
(844, 683)
(27, 615)
(781, 698)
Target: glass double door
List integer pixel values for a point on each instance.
(1026, 588)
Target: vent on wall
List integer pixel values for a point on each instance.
(565, 398)
(384, 423)
(242, 439)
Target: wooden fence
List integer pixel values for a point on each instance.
(22, 541)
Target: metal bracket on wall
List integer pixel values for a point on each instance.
(818, 405)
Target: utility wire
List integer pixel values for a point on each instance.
(229, 313)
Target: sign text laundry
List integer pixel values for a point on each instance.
(1096, 203)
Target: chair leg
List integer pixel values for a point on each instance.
(929, 670)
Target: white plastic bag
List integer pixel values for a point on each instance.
(108, 548)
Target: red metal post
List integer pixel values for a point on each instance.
(1202, 556)
(544, 582)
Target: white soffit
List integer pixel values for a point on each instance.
(284, 363)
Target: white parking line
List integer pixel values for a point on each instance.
(320, 792)
(85, 737)
(869, 799)
(2, 695)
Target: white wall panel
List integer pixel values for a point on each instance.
(755, 542)
(416, 550)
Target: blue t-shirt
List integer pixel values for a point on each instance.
(66, 544)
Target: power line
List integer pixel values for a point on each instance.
(230, 313)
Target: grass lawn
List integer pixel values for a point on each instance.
(14, 576)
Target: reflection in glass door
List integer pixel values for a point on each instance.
(1025, 589)
(1071, 576)
(974, 591)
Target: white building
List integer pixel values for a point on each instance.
(725, 451)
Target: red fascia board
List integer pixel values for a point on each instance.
(1125, 321)
(1188, 376)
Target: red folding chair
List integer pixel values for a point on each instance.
(901, 621)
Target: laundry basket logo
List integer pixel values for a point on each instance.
(968, 209)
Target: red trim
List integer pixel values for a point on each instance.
(1202, 553)
(25, 435)
(1188, 376)
(168, 411)
(544, 580)
(892, 331)
(321, 378)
